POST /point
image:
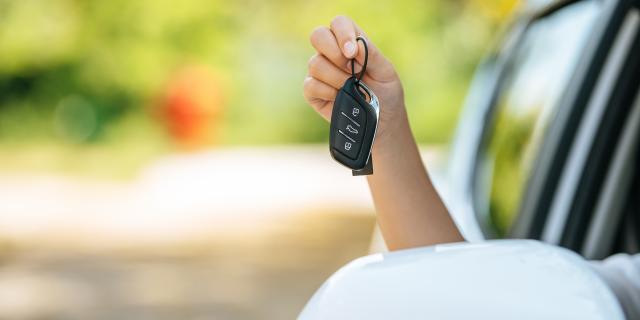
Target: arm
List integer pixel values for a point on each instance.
(410, 212)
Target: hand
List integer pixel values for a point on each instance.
(410, 211)
(330, 67)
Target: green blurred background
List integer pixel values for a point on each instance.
(158, 160)
(81, 81)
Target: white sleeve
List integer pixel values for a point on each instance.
(621, 272)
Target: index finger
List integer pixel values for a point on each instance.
(345, 31)
(324, 41)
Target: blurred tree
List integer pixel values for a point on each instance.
(117, 57)
(192, 106)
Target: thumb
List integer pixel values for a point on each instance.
(378, 67)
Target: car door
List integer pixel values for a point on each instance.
(531, 152)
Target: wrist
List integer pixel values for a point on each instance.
(394, 135)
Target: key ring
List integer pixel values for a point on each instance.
(364, 65)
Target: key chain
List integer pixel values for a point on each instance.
(354, 121)
(364, 65)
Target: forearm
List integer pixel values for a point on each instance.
(410, 212)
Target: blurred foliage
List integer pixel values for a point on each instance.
(534, 80)
(79, 73)
(508, 147)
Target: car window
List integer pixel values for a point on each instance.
(537, 75)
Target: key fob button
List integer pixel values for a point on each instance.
(350, 127)
(353, 126)
(353, 112)
(346, 145)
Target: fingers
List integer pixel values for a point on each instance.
(320, 96)
(314, 88)
(336, 45)
(324, 41)
(345, 31)
(322, 69)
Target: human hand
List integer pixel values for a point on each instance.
(330, 67)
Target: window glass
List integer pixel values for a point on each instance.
(534, 82)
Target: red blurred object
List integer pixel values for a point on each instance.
(192, 106)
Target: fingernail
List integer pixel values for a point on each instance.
(349, 48)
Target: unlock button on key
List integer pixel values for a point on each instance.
(346, 145)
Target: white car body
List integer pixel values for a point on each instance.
(501, 279)
(581, 188)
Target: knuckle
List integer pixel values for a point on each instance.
(374, 55)
(307, 84)
(339, 19)
(342, 27)
(317, 33)
(314, 65)
(311, 61)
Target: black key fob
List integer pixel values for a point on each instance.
(354, 121)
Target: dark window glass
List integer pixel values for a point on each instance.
(534, 82)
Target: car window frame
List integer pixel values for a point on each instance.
(589, 203)
(539, 188)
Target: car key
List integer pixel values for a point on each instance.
(354, 121)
